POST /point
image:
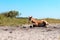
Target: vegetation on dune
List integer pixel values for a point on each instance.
(52, 20)
(10, 19)
(10, 14)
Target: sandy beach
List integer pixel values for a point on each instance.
(37, 33)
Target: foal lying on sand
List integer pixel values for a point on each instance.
(38, 23)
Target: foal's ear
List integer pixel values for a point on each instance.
(30, 16)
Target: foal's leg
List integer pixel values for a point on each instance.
(33, 25)
(44, 24)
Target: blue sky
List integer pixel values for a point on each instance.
(35, 8)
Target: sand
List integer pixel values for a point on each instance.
(37, 33)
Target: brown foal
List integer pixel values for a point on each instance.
(38, 23)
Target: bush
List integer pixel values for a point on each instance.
(10, 14)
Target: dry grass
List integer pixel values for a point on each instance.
(19, 21)
(52, 20)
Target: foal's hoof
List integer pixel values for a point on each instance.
(30, 26)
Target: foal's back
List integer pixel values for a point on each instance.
(36, 21)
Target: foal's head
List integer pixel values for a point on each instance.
(30, 18)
